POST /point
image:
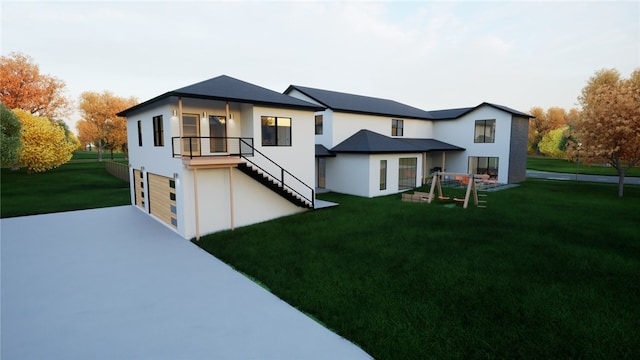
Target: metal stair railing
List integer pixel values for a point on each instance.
(286, 180)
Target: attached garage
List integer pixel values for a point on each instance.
(162, 199)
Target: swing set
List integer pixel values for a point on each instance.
(460, 178)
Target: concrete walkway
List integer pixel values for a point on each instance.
(115, 284)
(580, 177)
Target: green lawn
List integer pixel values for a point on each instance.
(549, 270)
(566, 166)
(72, 186)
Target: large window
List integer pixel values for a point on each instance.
(484, 165)
(276, 131)
(485, 131)
(407, 173)
(318, 124)
(397, 127)
(158, 132)
(139, 133)
(383, 174)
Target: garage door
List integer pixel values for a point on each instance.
(138, 187)
(162, 199)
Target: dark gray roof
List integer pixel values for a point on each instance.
(456, 113)
(369, 142)
(322, 151)
(359, 104)
(226, 88)
(432, 145)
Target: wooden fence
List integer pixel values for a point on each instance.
(119, 170)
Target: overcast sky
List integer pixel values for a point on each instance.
(428, 54)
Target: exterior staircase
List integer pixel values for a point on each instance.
(277, 185)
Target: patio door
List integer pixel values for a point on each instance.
(191, 134)
(218, 134)
(321, 171)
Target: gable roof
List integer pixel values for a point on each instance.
(369, 142)
(359, 104)
(226, 88)
(450, 114)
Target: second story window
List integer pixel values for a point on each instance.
(485, 131)
(158, 132)
(397, 127)
(139, 133)
(276, 131)
(318, 124)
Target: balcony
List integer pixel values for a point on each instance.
(211, 152)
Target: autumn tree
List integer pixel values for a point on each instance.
(22, 86)
(44, 143)
(9, 137)
(553, 144)
(608, 128)
(99, 124)
(543, 122)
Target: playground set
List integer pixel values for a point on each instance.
(469, 182)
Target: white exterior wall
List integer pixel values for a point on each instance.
(349, 174)
(346, 124)
(359, 174)
(393, 173)
(460, 132)
(297, 158)
(253, 202)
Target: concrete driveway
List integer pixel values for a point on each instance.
(114, 284)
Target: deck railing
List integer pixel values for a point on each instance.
(199, 146)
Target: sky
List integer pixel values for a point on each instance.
(428, 54)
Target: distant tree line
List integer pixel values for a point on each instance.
(605, 130)
(33, 133)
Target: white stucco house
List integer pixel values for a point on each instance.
(219, 154)
(370, 146)
(223, 153)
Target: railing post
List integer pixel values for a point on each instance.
(190, 148)
(282, 175)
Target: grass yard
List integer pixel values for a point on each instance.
(549, 270)
(72, 186)
(566, 166)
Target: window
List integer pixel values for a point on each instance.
(383, 174)
(139, 133)
(397, 127)
(484, 165)
(158, 132)
(276, 131)
(218, 134)
(485, 131)
(318, 124)
(407, 173)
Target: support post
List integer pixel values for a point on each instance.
(231, 198)
(195, 201)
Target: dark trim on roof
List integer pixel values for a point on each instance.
(226, 88)
(369, 142)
